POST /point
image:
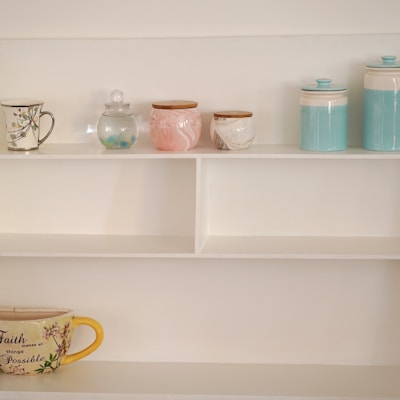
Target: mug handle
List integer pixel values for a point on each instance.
(40, 141)
(76, 321)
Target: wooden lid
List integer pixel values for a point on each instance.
(233, 114)
(174, 104)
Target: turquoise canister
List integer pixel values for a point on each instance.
(324, 117)
(381, 117)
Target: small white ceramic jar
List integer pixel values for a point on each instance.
(232, 130)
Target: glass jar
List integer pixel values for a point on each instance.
(381, 118)
(324, 117)
(232, 130)
(175, 125)
(117, 127)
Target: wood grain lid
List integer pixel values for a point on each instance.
(174, 104)
(233, 114)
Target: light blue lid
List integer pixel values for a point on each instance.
(387, 62)
(324, 85)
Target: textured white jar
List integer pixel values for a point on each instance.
(232, 130)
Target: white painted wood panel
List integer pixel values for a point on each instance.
(229, 310)
(194, 18)
(121, 197)
(302, 197)
(260, 74)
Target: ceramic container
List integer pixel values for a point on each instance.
(381, 118)
(175, 125)
(23, 123)
(324, 115)
(36, 341)
(117, 127)
(232, 130)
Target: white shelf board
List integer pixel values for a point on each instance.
(147, 151)
(163, 381)
(63, 245)
(132, 246)
(318, 247)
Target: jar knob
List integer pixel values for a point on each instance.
(117, 96)
(117, 101)
(388, 60)
(324, 83)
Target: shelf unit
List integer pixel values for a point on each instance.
(261, 274)
(195, 184)
(208, 190)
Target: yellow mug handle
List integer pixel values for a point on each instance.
(76, 321)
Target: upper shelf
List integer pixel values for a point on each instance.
(147, 151)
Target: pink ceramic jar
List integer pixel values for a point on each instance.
(175, 125)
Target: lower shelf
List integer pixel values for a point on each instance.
(113, 380)
(264, 247)
(60, 245)
(305, 247)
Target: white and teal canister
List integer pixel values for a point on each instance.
(381, 117)
(324, 115)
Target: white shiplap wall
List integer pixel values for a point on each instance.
(248, 54)
(194, 18)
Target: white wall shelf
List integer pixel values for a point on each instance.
(126, 212)
(163, 381)
(216, 247)
(145, 150)
(304, 248)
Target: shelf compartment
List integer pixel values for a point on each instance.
(300, 198)
(113, 380)
(142, 203)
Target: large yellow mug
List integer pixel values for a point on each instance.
(36, 341)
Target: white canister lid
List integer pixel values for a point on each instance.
(387, 62)
(323, 85)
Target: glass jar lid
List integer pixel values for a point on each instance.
(387, 62)
(324, 85)
(233, 114)
(117, 101)
(174, 104)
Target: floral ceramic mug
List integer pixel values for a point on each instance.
(23, 123)
(36, 341)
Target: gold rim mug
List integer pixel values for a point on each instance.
(22, 118)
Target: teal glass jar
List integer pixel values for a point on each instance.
(381, 117)
(117, 127)
(324, 117)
